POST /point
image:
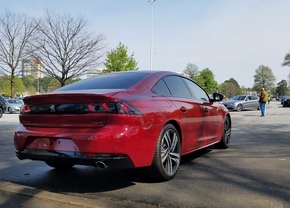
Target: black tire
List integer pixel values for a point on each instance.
(9, 110)
(167, 155)
(59, 164)
(1, 112)
(226, 137)
(239, 107)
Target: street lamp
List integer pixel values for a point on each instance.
(151, 39)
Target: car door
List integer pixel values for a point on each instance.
(212, 118)
(190, 111)
(246, 102)
(255, 102)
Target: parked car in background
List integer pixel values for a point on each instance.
(286, 102)
(2, 105)
(283, 98)
(129, 119)
(243, 102)
(13, 106)
(19, 98)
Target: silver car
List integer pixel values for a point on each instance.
(243, 102)
(13, 106)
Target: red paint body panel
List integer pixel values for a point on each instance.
(200, 123)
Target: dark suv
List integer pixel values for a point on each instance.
(2, 106)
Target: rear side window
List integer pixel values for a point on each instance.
(106, 81)
(160, 88)
(254, 98)
(177, 87)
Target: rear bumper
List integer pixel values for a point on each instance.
(131, 140)
(112, 161)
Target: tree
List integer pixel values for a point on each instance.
(16, 34)
(229, 89)
(28, 80)
(118, 60)
(191, 71)
(30, 90)
(70, 81)
(264, 77)
(286, 60)
(232, 80)
(44, 83)
(67, 47)
(281, 88)
(18, 86)
(210, 85)
(53, 85)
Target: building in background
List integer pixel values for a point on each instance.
(93, 73)
(32, 67)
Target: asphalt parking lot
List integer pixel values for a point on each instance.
(253, 172)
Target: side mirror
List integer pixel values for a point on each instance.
(217, 97)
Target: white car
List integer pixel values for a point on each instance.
(13, 106)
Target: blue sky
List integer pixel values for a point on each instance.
(230, 37)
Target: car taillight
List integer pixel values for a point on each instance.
(108, 107)
(5, 102)
(114, 108)
(25, 109)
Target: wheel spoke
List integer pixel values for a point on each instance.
(164, 155)
(168, 165)
(227, 131)
(173, 143)
(170, 155)
(175, 157)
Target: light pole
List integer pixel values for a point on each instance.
(151, 39)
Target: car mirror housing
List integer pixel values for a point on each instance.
(217, 97)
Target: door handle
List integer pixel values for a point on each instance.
(206, 109)
(183, 109)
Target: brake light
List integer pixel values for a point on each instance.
(106, 107)
(25, 109)
(124, 109)
(113, 108)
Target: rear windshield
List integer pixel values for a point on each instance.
(106, 81)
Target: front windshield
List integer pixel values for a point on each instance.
(239, 98)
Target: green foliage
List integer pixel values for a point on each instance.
(229, 89)
(18, 87)
(44, 83)
(28, 80)
(200, 81)
(2, 80)
(31, 90)
(232, 80)
(118, 60)
(210, 85)
(286, 60)
(70, 81)
(53, 85)
(264, 77)
(191, 71)
(281, 88)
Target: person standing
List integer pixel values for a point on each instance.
(269, 99)
(263, 100)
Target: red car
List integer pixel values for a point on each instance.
(126, 119)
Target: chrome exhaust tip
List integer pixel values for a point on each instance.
(101, 165)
